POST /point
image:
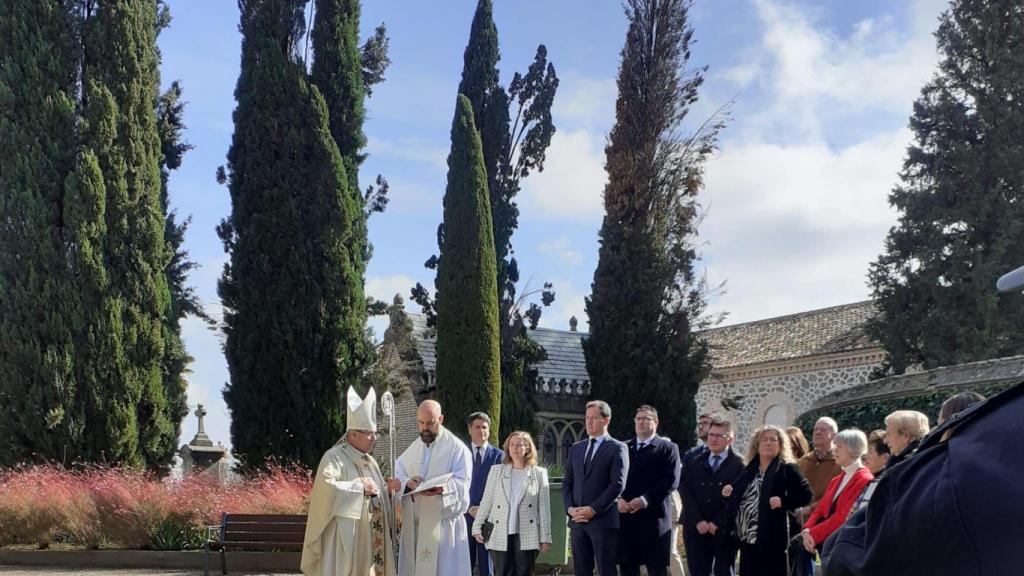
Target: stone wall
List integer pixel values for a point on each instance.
(776, 399)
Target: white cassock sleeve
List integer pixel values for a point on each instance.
(348, 494)
(456, 496)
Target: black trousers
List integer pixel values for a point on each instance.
(707, 554)
(514, 562)
(478, 556)
(593, 547)
(634, 570)
(758, 561)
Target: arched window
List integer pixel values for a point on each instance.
(549, 449)
(776, 415)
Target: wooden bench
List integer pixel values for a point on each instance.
(266, 532)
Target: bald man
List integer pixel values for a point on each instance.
(434, 538)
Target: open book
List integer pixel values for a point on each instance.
(435, 482)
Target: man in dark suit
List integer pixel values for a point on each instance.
(707, 550)
(595, 476)
(484, 456)
(645, 534)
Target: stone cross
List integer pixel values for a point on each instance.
(200, 412)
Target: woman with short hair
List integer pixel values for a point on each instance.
(876, 458)
(517, 502)
(904, 430)
(842, 491)
(762, 504)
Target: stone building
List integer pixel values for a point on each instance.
(767, 371)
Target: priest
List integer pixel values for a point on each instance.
(434, 541)
(348, 532)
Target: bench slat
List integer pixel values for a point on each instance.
(256, 528)
(243, 536)
(266, 518)
(292, 546)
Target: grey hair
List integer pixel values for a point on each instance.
(602, 407)
(830, 422)
(855, 440)
(909, 422)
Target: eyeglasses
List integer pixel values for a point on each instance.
(643, 419)
(717, 435)
(368, 433)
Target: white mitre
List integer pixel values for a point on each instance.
(362, 414)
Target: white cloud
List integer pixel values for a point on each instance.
(563, 250)
(570, 187)
(588, 102)
(793, 228)
(568, 302)
(413, 149)
(809, 69)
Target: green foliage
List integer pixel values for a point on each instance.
(647, 300)
(960, 201)
(293, 288)
(176, 532)
(511, 151)
(870, 415)
(39, 412)
(468, 355)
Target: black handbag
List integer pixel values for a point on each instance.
(485, 529)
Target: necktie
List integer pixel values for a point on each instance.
(479, 459)
(640, 446)
(590, 454)
(715, 461)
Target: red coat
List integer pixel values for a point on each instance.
(820, 524)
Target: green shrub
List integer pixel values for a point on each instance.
(871, 414)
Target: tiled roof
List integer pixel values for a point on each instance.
(565, 354)
(812, 333)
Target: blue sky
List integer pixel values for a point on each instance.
(796, 197)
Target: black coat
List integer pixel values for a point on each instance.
(645, 537)
(774, 526)
(702, 489)
(950, 508)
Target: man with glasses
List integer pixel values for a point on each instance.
(708, 550)
(348, 531)
(645, 533)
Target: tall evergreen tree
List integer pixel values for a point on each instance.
(646, 300)
(511, 151)
(468, 355)
(960, 200)
(293, 278)
(121, 354)
(39, 416)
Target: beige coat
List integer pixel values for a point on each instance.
(534, 508)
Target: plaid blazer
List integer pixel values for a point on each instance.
(534, 508)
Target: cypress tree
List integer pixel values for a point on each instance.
(960, 201)
(645, 301)
(121, 69)
(468, 356)
(511, 151)
(39, 415)
(292, 281)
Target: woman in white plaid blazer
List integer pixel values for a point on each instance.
(518, 503)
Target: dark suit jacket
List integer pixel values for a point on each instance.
(782, 479)
(477, 484)
(702, 490)
(950, 508)
(645, 536)
(600, 485)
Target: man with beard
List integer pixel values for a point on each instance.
(434, 539)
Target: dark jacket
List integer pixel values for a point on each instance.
(645, 536)
(949, 508)
(492, 457)
(702, 490)
(782, 479)
(600, 485)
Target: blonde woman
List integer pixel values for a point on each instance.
(517, 502)
(762, 503)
